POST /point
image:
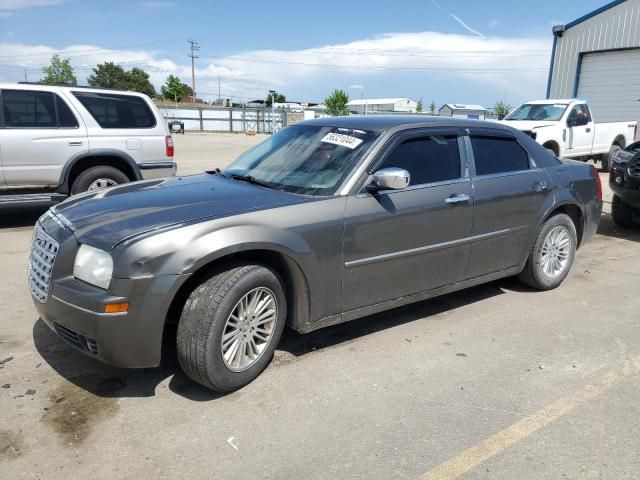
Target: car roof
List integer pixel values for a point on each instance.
(57, 88)
(386, 122)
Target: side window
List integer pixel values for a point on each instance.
(579, 112)
(117, 111)
(28, 109)
(66, 118)
(428, 159)
(498, 155)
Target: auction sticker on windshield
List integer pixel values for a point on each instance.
(342, 140)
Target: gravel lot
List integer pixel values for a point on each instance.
(494, 382)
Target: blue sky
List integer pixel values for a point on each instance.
(442, 50)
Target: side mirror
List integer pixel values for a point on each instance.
(390, 179)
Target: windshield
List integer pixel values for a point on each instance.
(535, 111)
(306, 159)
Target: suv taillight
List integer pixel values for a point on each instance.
(598, 183)
(168, 143)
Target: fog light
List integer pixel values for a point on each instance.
(116, 307)
(618, 180)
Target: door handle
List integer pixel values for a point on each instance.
(75, 144)
(588, 129)
(455, 199)
(540, 186)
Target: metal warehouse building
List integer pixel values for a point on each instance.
(597, 57)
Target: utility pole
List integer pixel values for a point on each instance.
(193, 48)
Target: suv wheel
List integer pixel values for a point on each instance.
(230, 326)
(622, 213)
(607, 159)
(552, 254)
(95, 178)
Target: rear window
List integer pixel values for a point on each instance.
(117, 111)
(33, 109)
(498, 155)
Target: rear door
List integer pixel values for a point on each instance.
(40, 133)
(508, 189)
(401, 242)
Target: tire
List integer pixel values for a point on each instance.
(86, 179)
(534, 273)
(607, 159)
(622, 213)
(204, 323)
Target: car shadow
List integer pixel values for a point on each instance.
(21, 216)
(113, 382)
(608, 228)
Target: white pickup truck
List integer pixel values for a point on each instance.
(566, 128)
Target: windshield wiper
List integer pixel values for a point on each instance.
(253, 180)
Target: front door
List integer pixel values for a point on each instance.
(580, 136)
(401, 242)
(39, 135)
(508, 191)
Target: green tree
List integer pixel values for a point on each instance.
(337, 102)
(501, 109)
(110, 75)
(59, 72)
(278, 97)
(137, 80)
(107, 75)
(172, 88)
(419, 106)
(187, 91)
(432, 108)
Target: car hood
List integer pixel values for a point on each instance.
(526, 125)
(107, 217)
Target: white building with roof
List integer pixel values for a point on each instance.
(596, 58)
(463, 110)
(382, 105)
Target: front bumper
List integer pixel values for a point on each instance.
(74, 311)
(154, 170)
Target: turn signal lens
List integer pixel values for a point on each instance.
(116, 307)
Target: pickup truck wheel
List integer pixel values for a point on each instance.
(230, 326)
(607, 159)
(552, 254)
(95, 178)
(622, 213)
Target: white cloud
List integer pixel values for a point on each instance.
(7, 6)
(458, 19)
(514, 64)
(494, 23)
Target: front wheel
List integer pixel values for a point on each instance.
(230, 326)
(607, 159)
(622, 213)
(552, 254)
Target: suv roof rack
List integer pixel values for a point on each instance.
(70, 86)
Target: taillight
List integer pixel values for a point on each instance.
(168, 143)
(598, 183)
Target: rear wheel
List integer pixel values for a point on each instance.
(95, 178)
(622, 213)
(607, 159)
(230, 327)
(552, 253)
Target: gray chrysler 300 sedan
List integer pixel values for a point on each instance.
(327, 221)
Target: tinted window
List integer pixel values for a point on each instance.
(28, 109)
(117, 111)
(428, 159)
(66, 118)
(579, 112)
(498, 155)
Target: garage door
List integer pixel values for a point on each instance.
(610, 81)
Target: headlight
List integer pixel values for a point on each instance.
(93, 266)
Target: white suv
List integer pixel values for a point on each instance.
(72, 139)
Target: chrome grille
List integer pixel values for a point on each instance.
(634, 167)
(43, 253)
